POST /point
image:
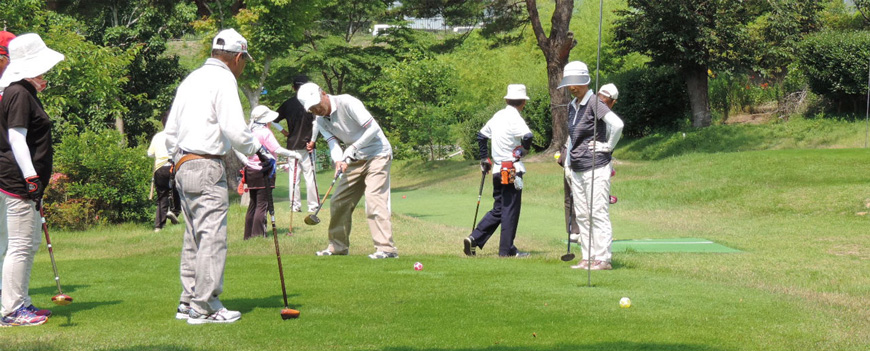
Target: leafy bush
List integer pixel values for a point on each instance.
(651, 99)
(104, 173)
(835, 64)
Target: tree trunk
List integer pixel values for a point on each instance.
(556, 49)
(119, 125)
(696, 84)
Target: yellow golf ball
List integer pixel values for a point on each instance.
(557, 155)
(625, 302)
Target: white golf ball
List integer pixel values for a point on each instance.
(625, 302)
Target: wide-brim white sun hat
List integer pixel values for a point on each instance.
(308, 95)
(516, 92)
(262, 115)
(575, 73)
(28, 58)
(609, 90)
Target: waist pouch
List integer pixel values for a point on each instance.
(508, 172)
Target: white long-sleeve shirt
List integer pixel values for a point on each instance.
(352, 124)
(206, 116)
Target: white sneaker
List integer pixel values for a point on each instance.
(323, 253)
(172, 217)
(222, 315)
(381, 254)
(183, 311)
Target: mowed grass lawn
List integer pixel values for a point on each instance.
(800, 282)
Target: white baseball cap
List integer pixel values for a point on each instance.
(232, 41)
(308, 95)
(609, 90)
(262, 115)
(575, 73)
(28, 58)
(516, 92)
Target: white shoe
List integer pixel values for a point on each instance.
(222, 315)
(381, 254)
(323, 253)
(183, 311)
(172, 217)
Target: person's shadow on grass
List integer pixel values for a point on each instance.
(248, 305)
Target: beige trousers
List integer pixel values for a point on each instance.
(583, 193)
(202, 185)
(372, 178)
(23, 227)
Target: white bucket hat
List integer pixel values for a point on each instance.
(309, 95)
(575, 73)
(609, 90)
(516, 92)
(232, 41)
(262, 115)
(28, 58)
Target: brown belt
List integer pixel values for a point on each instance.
(188, 157)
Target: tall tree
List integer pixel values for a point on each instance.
(693, 36)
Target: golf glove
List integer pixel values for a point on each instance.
(518, 182)
(266, 163)
(349, 154)
(485, 165)
(600, 146)
(35, 189)
(519, 152)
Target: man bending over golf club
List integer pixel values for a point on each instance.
(511, 140)
(365, 162)
(587, 165)
(26, 160)
(205, 121)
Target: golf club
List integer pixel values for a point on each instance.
(311, 157)
(479, 194)
(570, 255)
(61, 298)
(293, 195)
(287, 312)
(312, 218)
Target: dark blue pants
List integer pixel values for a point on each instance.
(505, 212)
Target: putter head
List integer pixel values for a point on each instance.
(61, 299)
(568, 257)
(288, 313)
(312, 220)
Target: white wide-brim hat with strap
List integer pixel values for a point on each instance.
(262, 115)
(28, 58)
(516, 92)
(575, 73)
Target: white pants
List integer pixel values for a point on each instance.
(583, 193)
(307, 170)
(23, 227)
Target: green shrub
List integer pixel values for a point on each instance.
(104, 172)
(651, 100)
(835, 65)
(75, 214)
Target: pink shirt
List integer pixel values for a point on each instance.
(267, 139)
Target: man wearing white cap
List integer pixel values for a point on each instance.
(365, 163)
(589, 147)
(255, 219)
(205, 121)
(26, 160)
(511, 140)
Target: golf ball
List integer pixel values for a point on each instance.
(625, 302)
(403, 196)
(418, 266)
(557, 155)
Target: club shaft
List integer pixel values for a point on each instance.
(327, 193)
(48, 245)
(271, 205)
(479, 195)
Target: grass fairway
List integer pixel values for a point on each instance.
(799, 282)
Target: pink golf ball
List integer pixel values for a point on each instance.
(418, 266)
